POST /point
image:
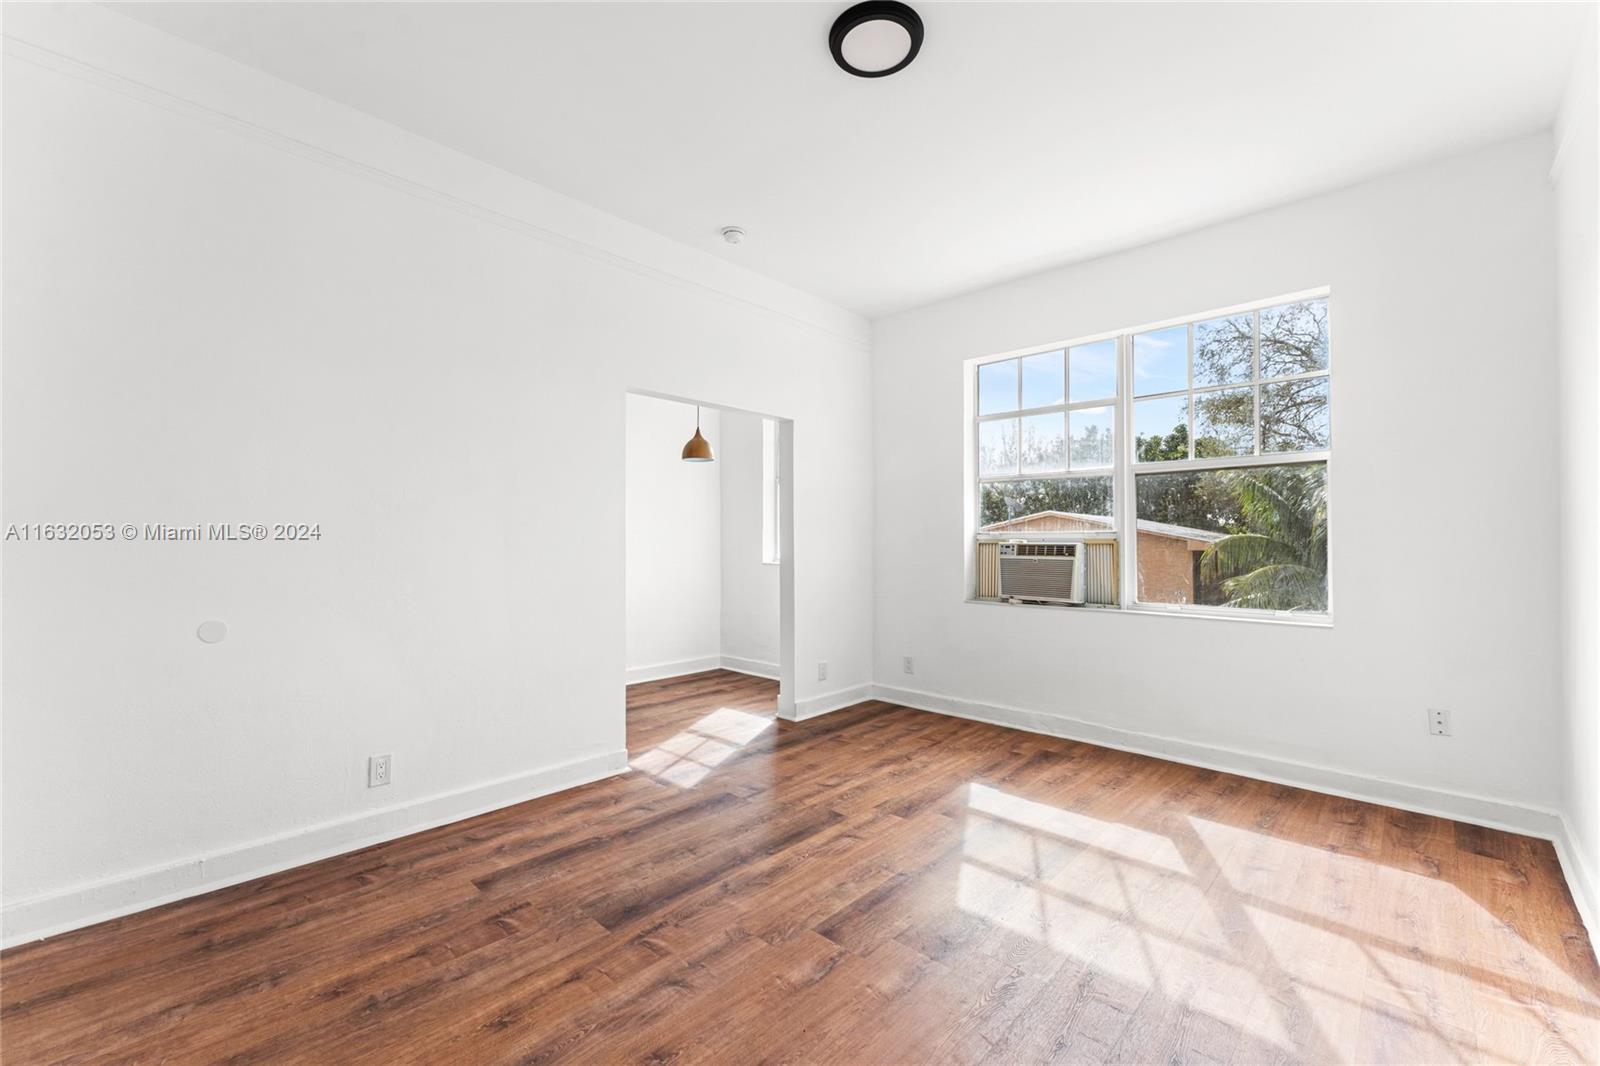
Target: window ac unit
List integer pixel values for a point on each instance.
(1038, 572)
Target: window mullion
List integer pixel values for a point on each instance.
(1189, 396)
(1255, 374)
(1124, 505)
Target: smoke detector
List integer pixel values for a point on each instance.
(733, 234)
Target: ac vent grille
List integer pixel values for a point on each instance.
(1042, 572)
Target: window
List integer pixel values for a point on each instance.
(1046, 440)
(769, 491)
(1215, 497)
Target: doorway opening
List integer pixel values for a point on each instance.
(708, 576)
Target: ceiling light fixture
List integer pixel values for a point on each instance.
(876, 38)
(698, 450)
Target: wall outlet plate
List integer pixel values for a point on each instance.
(378, 769)
(908, 665)
(1439, 722)
(822, 671)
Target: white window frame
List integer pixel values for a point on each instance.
(1124, 469)
(1066, 408)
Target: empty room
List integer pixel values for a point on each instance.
(860, 533)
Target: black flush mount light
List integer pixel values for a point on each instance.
(876, 38)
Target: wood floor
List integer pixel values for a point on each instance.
(878, 885)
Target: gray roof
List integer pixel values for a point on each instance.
(1160, 529)
(1166, 529)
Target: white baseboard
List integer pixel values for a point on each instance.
(753, 667)
(662, 671)
(828, 701)
(98, 901)
(1580, 880)
(1423, 799)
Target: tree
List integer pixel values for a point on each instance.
(1157, 449)
(1003, 500)
(1278, 560)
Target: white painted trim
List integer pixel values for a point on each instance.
(99, 901)
(1423, 799)
(753, 667)
(816, 706)
(1580, 879)
(100, 47)
(662, 671)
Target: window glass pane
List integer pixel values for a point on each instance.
(1093, 370)
(1161, 429)
(1046, 505)
(1091, 436)
(1161, 361)
(1044, 443)
(1222, 348)
(1254, 538)
(997, 387)
(1044, 380)
(1224, 423)
(1294, 416)
(997, 448)
(1294, 339)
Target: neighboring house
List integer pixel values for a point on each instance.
(1169, 556)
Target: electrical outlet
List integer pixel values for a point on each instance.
(1439, 722)
(908, 665)
(822, 671)
(378, 767)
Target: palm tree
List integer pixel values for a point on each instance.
(1279, 562)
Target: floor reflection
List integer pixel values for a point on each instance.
(1201, 915)
(685, 758)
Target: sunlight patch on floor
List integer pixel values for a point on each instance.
(1202, 914)
(685, 758)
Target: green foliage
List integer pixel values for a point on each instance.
(1197, 499)
(1276, 558)
(1003, 500)
(1158, 449)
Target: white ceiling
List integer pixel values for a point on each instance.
(1024, 135)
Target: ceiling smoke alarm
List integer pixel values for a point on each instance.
(733, 234)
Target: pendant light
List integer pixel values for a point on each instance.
(698, 450)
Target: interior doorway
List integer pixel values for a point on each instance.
(707, 572)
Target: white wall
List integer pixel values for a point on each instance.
(674, 543)
(1442, 329)
(749, 586)
(1577, 178)
(230, 300)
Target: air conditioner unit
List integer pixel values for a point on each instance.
(1041, 572)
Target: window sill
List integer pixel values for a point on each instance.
(1223, 615)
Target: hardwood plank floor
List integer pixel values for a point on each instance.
(879, 885)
